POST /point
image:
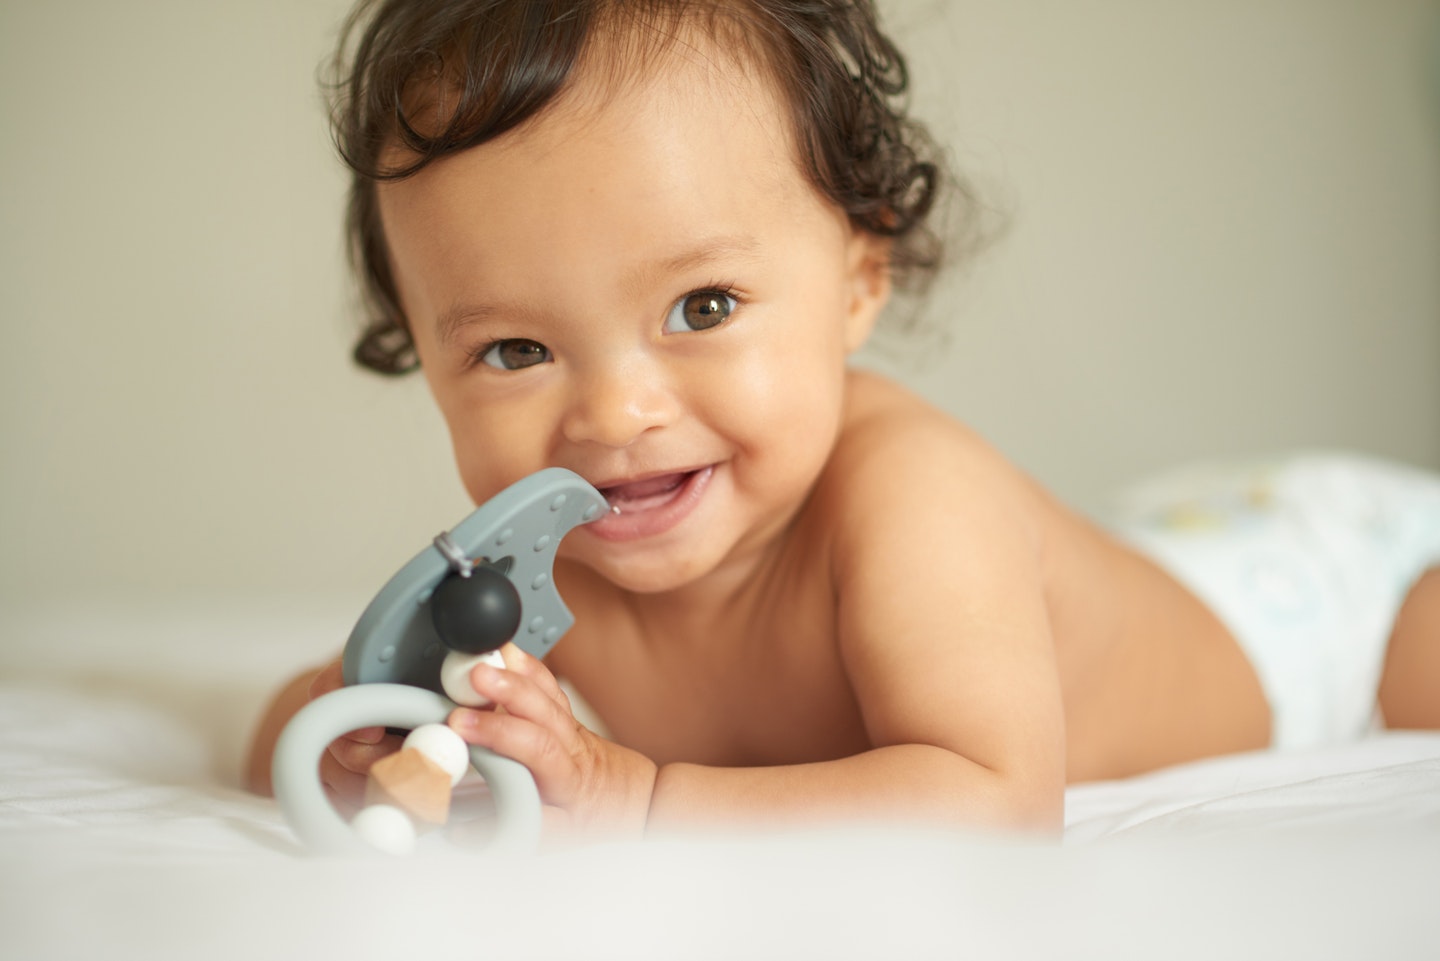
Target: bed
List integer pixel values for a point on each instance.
(124, 833)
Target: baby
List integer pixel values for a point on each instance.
(640, 241)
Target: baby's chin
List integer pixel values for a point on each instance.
(647, 576)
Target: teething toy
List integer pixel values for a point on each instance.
(410, 790)
(413, 783)
(487, 581)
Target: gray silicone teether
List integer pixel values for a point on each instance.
(395, 639)
(391, 664)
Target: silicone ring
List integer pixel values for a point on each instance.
(295, 769)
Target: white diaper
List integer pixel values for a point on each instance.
(1307, 560)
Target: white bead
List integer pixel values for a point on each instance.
(386, 829)
(443, 746)
(455, 676)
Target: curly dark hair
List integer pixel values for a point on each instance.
(493, 64)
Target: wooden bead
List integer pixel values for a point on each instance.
(413, 783)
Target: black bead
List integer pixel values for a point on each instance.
(475, 614)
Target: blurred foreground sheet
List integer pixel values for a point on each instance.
(124, 833)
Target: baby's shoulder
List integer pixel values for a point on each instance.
(896, 439)
(898, 453)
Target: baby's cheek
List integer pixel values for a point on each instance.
(764, 395)
(472, 476)
(801, 404)
(486, 463)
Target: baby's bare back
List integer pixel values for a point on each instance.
(1150, 676)
(754, 675)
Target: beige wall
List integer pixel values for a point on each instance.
(1223, 235)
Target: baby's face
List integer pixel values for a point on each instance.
(640, 286)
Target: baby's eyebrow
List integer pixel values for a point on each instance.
(707, 251)
(449, 323)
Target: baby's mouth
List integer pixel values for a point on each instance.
(643, 495)
(650, 506)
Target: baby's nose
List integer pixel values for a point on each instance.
(614, 407)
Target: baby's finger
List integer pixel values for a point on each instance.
(523, 697)
(527, 665)
(521, 740)
(345, 788)
(358, 756)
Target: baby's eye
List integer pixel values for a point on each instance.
(699, 311)
(514, 354)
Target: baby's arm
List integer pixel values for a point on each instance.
(944, 634)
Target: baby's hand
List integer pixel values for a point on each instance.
(346, 763)
(590, 786)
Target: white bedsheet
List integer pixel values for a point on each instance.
(124, 833)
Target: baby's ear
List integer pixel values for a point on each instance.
(868, 274)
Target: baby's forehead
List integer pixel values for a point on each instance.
(687, 70)
(724, 37)
(468, 96)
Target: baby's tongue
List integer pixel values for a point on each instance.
(640, 494)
